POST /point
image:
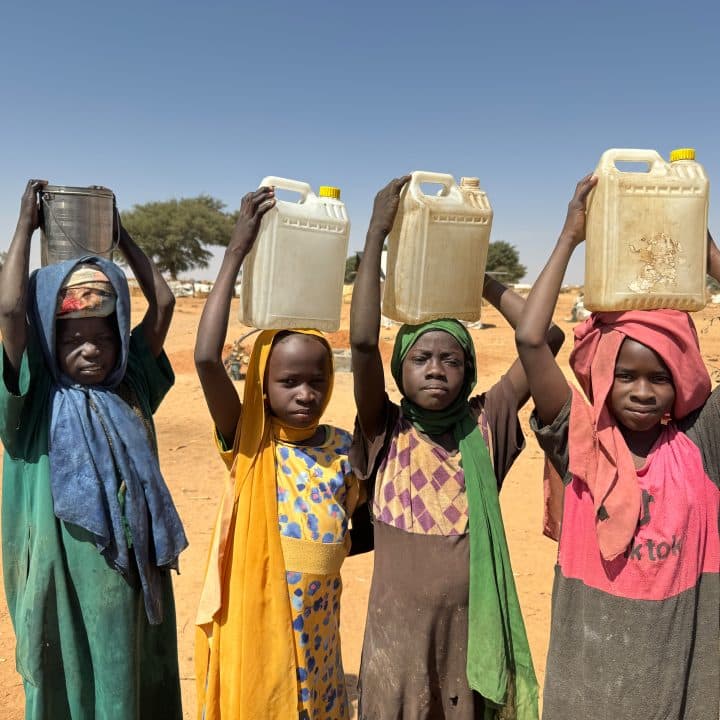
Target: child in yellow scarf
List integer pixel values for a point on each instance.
(268, 641)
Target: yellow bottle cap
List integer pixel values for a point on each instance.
(329, 191)
(470, 182)
(682, 154)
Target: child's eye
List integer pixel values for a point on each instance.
(661, 379)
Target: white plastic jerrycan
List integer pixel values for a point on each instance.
(646, 234)
(293, 277)
(437, 250)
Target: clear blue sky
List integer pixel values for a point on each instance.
(172, 99)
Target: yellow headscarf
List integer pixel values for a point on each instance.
(245, 654)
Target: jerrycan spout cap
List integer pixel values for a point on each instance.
(329, 192)
(682, 154)
(470, 182)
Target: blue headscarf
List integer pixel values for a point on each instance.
(97, 442)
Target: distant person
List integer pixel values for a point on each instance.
(444, 636)
(89, 529)
(635, 629)
(268, 642)
(578, 311)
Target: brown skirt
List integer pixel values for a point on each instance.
(415, 649)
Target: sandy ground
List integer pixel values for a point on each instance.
(193, 473)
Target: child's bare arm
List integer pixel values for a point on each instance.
(368, 374)
(713, 261)
(220, 394)
(548, 385)
(161, 301)
(14, 279)
(511, 306)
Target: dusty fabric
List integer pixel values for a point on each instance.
(499, 665)
(434, 501)
(85, 648)
(414, 653)
(423, 623)
(98, 444)
(639, 635)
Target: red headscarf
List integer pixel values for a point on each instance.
(598, 453)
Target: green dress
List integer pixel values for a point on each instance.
(85, 649)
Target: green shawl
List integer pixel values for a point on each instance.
(499, 665)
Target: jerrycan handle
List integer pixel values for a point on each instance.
(418, 177)
(656, 163)
(284, 184)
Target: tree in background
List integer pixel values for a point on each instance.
(351, 268)
(353, 263)
(503, 261)
(176, 233)
(3, 256)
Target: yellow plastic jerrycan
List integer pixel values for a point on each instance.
(646, 234)
(293, 277)
(437, 250)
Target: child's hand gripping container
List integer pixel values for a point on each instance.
(293, 277)
(437, 250)
(646, 233)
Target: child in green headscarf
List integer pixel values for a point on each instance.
(444, 634)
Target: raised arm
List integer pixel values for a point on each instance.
(220, 394)
(14, 280)
(511, 306)
(548, 385)
(713, 260)
(368, 374)
(161, 301)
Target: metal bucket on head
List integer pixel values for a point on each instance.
(77, 221)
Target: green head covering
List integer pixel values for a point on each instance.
(499, 665)
(435, 422)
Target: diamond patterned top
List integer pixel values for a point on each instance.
(420, 486)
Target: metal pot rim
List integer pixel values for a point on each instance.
(92, 190)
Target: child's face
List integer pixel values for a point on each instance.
(433, 372)
(643, 390)
(87, 349)
(297, 380)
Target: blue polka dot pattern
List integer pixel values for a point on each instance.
(311, 494)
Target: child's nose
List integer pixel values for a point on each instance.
(643, 390)
(90, 350)
(305, 394)
(434, 368)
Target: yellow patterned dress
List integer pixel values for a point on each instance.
(316, 491)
